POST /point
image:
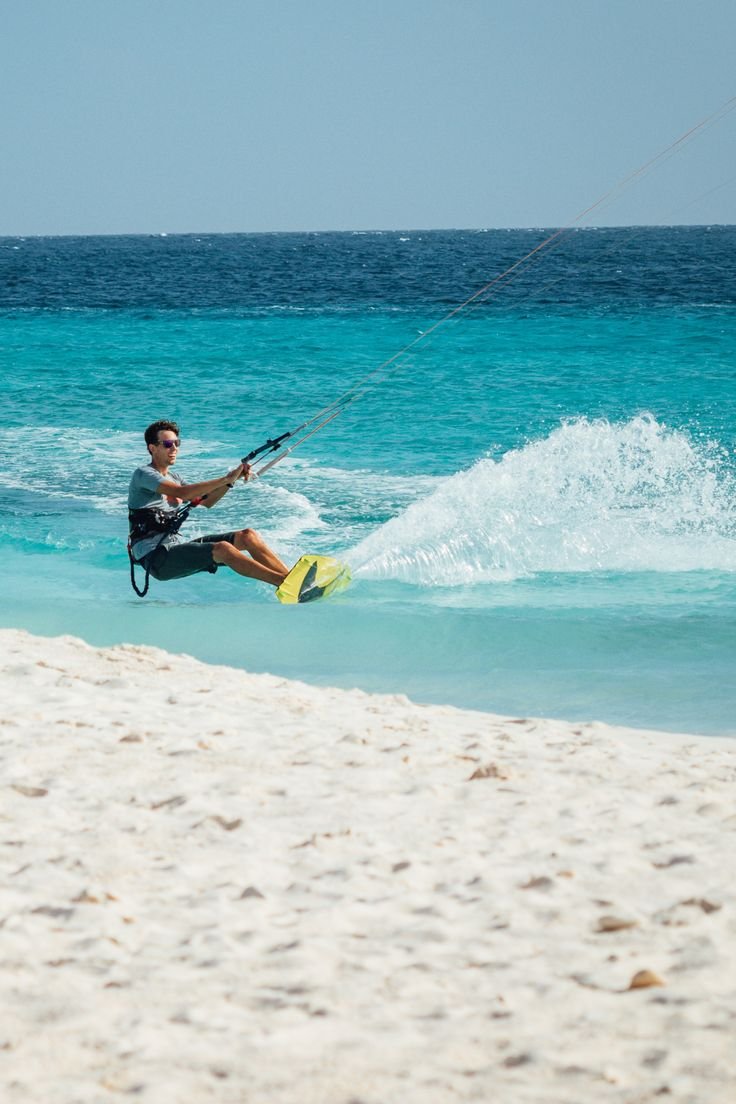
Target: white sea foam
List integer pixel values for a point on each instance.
(283, 513)
(592, 496)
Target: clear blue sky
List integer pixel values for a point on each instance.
(124, 116)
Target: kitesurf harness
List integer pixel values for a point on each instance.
(151, 521)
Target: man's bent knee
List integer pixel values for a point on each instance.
(248, 538)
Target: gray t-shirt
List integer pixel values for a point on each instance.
(142, 493)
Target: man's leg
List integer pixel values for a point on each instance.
(223, 552)
(247, 540)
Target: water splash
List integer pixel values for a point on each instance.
(592, 496)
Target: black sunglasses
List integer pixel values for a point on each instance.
(171, 444)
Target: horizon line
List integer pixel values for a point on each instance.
(362, 231)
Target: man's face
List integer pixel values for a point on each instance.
(166, 449)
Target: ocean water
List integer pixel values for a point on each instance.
(538, 499)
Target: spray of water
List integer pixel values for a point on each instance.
(592, 496)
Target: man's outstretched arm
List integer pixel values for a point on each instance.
(209, 487)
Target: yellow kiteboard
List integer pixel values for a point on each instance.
(312, 578)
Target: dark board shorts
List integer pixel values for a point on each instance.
(185, 559)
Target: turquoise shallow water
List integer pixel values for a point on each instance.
(538, 505)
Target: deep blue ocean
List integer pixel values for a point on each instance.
(538, 500)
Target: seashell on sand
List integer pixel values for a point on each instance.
(645, 979)
(614, 924)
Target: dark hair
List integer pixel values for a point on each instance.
(151, 434)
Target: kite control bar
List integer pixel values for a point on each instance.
(270, 446)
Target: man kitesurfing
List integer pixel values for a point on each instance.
(155, 497)
(159, 503)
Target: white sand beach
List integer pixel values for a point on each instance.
(227, 887)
